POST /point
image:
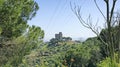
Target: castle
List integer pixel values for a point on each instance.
(58, 36)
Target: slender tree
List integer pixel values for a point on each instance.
(108, 20)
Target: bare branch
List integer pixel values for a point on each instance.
(99, 9)
(76, 11)
(87, 24)
(97, 33)
(111, 14)
(106, 0)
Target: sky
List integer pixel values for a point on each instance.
(56, 16)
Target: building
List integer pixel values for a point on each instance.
(58, 36)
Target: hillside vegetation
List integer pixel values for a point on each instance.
(21, 45)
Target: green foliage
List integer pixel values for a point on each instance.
(0, 30)
(44, 57)
(114, 32)
(21, 45)
(55, 41)
(106, 49)
(74, 55)
(1, 2)
(84, 55)
(107, 63)
(14, 16)
(14, 50)
(17, 38)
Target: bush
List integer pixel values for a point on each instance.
(107, 63)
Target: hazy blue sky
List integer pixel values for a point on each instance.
(56, 16)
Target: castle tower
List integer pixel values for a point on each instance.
(58, 36)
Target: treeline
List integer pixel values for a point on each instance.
(90, 53)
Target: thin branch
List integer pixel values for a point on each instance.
(96, 23)
(111, 14)
(99, 9)
(93, 30)
(87, 24)
(76, 11)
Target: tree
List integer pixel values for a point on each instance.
(14, 16)
(115, 37)
(108, 20)
(14, 50)
(17, 38)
